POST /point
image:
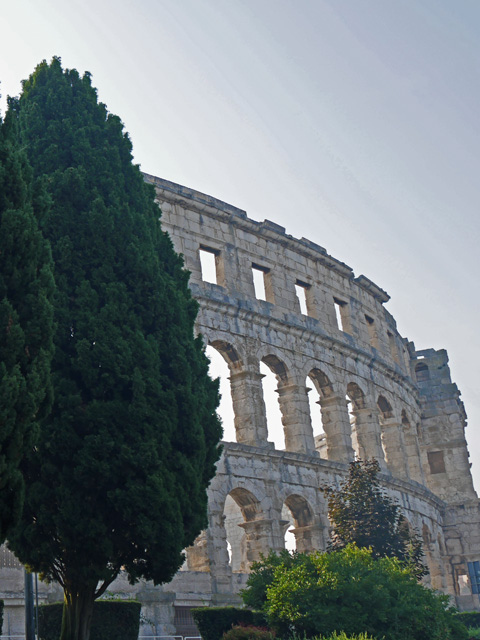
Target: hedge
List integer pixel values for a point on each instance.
(212, 622)
(111, 620)
(470, 618)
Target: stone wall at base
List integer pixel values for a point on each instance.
(267, 297)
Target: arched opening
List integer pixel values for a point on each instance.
(386, 413)
(422, 372)
(355, 399)
(385, 407)
(240, 506)
(274, 372)
(219, 369)
(299, 533)
(289, 536)
(318, 387)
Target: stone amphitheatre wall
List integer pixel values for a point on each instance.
(379, 397)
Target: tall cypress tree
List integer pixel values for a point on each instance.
(119, 477)
(26, 322)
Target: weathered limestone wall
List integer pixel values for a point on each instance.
(379, 398)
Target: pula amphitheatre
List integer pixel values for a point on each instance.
(378, 397)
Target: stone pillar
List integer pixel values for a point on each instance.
(293, 400)
(249, 407)
(338, 431)
(369, 440)
(309, 538)
(394, 446)
(220, 569)
(412, 450)
(262, 536)
(158, 609)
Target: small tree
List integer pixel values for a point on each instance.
(26, 322)
(351, 591)
(118, 479)
(361, 512)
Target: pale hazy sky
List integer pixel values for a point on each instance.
(351, 122)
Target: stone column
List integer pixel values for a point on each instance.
(338, 430)
(394, 446)
(220, 569)
(369, 440)
(262, 536)
(249, 407)
(293, 400)
(412, 450)
(309, 538)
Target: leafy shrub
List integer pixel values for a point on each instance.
(343, 636)
(469, 618)
(473, 633)
(248, 632)
(212, 622)
(111, 620)
(351, 591)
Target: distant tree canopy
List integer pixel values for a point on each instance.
(118, 479)
(361, 512)
(26, 321)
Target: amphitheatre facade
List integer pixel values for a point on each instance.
(378, 397)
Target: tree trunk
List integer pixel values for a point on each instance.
(77, 610)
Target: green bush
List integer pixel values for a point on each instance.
(469, 618)
(351, 591)
(212, 622)
(473, 633)
(343, 636)
(248, 632)
(111, 620)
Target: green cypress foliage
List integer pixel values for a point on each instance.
(26, 322)
(119, 478)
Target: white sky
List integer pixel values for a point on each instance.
(351, 122)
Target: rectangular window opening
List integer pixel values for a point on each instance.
(372, 331)
(474, 572)
(208, 262)
(436, 462)
(259, 273)
(339, 312)
(301, 289)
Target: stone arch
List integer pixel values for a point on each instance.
(322, 383)
(245, 388)
(274, 374)
(307, 529)
(240, 506)
(386, 410)
(229, 353)
(356, 395)
(249, 505)
(225, 359)
(294, 411)
(324, 393)
(366, 432)
(393, 440)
